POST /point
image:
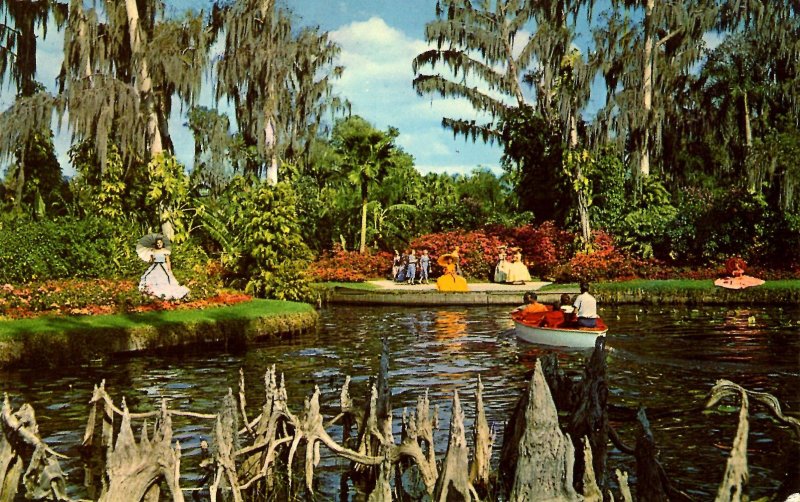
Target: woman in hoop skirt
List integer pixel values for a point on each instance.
(736, 279)
(158, 280)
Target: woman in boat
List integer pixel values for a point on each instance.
(517, 271)
(450, 280)
(562, 315)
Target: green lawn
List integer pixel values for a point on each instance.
(253, 309)
(669, 285)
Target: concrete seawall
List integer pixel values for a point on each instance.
(435, 298)
(388, 293)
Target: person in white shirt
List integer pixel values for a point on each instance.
(586, 308)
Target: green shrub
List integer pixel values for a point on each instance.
(67, 247)
(256, 226)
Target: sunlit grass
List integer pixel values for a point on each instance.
(244, 311)
(668, 285)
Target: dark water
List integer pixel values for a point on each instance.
(664, 359)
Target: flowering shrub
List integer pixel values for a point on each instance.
(543, 247)
(351, 266)
(606, 262)
(478, 251)
(100, 296)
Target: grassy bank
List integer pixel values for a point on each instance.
(687, 291)
(51, 340)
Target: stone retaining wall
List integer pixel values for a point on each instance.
(433, 298)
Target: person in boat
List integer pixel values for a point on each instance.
(566, 312)
(585, 308)
(517, 271)
(532, 312)
(450, 280)
(565, 304)
(531, 304)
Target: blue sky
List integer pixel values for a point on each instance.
(379, 39)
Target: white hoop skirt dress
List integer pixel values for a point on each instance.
(158, 280)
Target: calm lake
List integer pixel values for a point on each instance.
(666, 359)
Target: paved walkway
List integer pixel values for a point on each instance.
(473, 286)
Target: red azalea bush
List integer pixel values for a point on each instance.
(351, 266)
(478, 251)
(605, 262)
(543, 247)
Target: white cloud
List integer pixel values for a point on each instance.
(378, 81)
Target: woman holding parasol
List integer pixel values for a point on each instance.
(450, 280)
(158, 279)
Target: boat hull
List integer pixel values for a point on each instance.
(558, 337)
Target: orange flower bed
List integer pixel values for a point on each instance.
(97, 297)
(220, 299)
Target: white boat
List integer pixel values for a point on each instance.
(559, 337)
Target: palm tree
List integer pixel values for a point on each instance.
(365, 154)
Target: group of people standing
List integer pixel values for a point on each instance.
(410, 268)
(510, 268)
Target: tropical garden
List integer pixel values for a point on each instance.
(691, 159)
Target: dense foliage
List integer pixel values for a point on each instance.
(692, 158)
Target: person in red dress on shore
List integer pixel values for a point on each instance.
(736, 278)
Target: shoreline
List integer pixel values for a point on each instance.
(55, 341)
(656, 292)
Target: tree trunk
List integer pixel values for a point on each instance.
(20, 181)
(269, 139)
(748, 132)
(144, 87)
(144, 84)
(583, 199)
(363, 248)
(647, 90)
(748, 142)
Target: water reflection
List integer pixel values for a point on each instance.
(665, 359)
(451, 324)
